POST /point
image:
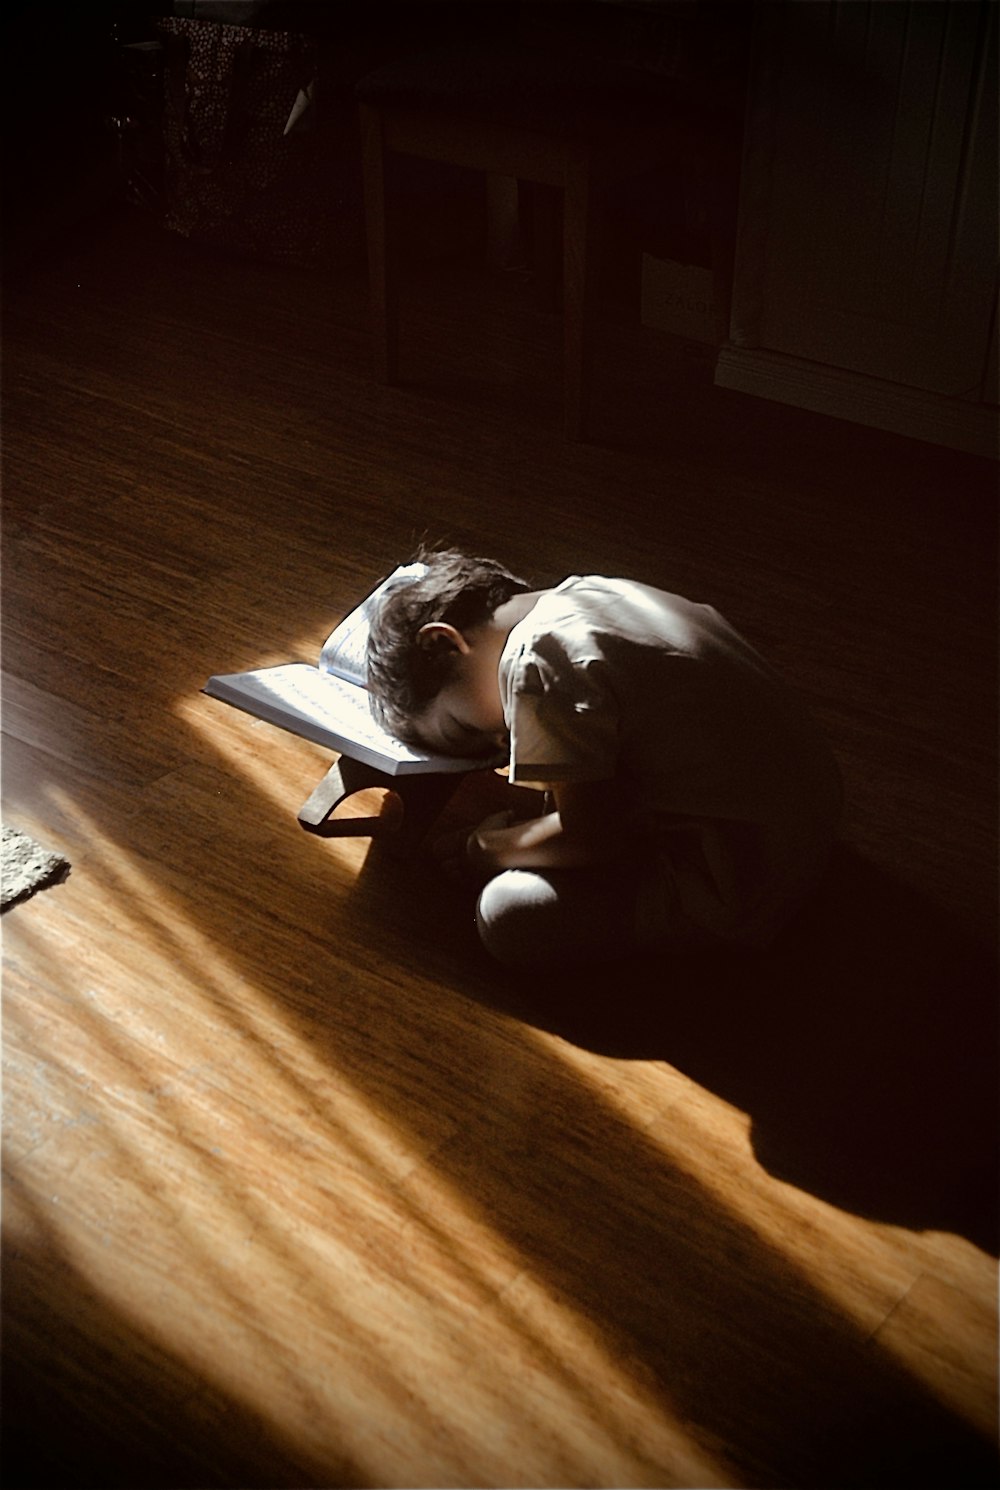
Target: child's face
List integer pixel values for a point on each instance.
(466, 717)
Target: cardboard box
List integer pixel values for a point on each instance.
(678, 298)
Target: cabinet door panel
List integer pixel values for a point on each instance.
(869, 235)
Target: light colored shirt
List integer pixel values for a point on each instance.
(716, 762)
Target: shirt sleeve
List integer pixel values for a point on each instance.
(563, 720)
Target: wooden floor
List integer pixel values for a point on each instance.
(299, 1191)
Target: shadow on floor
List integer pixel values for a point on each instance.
(863, 1046)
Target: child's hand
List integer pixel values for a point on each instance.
(449, 852)
(479, 849)
(462, 855)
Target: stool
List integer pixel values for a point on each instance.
(578, 126)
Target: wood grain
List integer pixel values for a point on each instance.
(299, 1190)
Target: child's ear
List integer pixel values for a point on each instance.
(441, 634)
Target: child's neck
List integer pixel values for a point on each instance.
(506, 616)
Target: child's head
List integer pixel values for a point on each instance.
(409, 659)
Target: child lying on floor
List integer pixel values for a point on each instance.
(693, 797)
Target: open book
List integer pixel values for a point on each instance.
(329, 703)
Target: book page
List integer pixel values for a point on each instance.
(329, 710)
(345, 649)
(333, 703)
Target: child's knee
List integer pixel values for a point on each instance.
(508, 915)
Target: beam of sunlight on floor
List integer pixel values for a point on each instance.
(160, 1133)
(283, 769)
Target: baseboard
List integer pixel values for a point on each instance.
(974, 428)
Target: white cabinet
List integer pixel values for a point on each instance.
(866, 266)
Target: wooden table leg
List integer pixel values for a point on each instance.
(344, 777)
(579, 274)
(422, 797)
(381, 228)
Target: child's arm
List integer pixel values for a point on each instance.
(584, 829)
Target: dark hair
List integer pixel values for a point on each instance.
(404, 674)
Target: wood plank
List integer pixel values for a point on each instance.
(299, 1190)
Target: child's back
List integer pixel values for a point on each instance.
(714, 757)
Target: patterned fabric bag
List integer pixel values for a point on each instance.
(244, 166)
